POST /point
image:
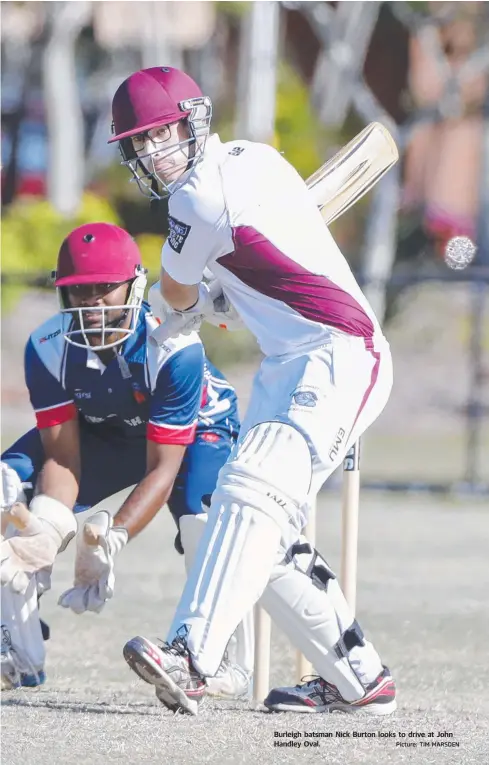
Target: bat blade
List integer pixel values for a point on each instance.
(353, 171)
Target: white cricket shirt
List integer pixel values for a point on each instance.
(246, 214)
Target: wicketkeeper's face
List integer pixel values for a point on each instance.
(100, 306)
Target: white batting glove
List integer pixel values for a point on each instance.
(97, 545)
(43, 531)
(174, 322)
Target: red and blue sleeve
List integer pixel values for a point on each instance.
(177, 398)
(51, 403)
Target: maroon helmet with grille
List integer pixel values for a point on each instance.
(150, 98)
(100, 253)
(96, 253)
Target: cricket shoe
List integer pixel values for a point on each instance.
(168, 667)
(316, 695)
(230, 681)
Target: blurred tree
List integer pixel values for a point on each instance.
(32, 232)
(21, 41)
(63, 110)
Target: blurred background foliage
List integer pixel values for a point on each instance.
(32, 230)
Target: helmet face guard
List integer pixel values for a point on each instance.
(197, 112)
(79, 334)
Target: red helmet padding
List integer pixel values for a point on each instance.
(149, 98)
(97, 253)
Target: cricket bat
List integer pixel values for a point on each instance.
(353, 171)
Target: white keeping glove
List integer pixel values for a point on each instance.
(174, 323)
(10, 488)
(43, 532)
(97, 545)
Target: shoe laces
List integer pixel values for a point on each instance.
(323, 687)
(309, 682)
(178, 646)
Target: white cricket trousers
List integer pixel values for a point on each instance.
(332, 394)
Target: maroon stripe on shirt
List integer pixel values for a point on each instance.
(373, 376)
(263, 267)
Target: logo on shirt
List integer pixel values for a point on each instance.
(178, 233)
(134, 422)
(50, 337)
(82, 393)
(305, 398)
(138, 394)
(211, 438)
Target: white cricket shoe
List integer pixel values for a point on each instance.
(168, 667)
(230, 681)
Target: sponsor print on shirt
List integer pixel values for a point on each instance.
(178, 233)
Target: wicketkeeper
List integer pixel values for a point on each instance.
(113, 409)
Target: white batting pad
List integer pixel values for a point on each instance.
(20, 615)
(259, 495)
(231, 570)
(241, 647)
(305, 601)
(191, 530)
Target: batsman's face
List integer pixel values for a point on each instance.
(163, 150)
(102, 306)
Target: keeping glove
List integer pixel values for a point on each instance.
(94, 580)
(10, 487)
(44, 531)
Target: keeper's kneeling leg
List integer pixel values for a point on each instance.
(23, 652)
(304, 599)
(260, 494)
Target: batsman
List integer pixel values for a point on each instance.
(240, 211)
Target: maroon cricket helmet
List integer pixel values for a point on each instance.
(151, 97)
(97, 253)
(100, 253)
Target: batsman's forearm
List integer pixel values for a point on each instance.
(144, 501)
(179, 296)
